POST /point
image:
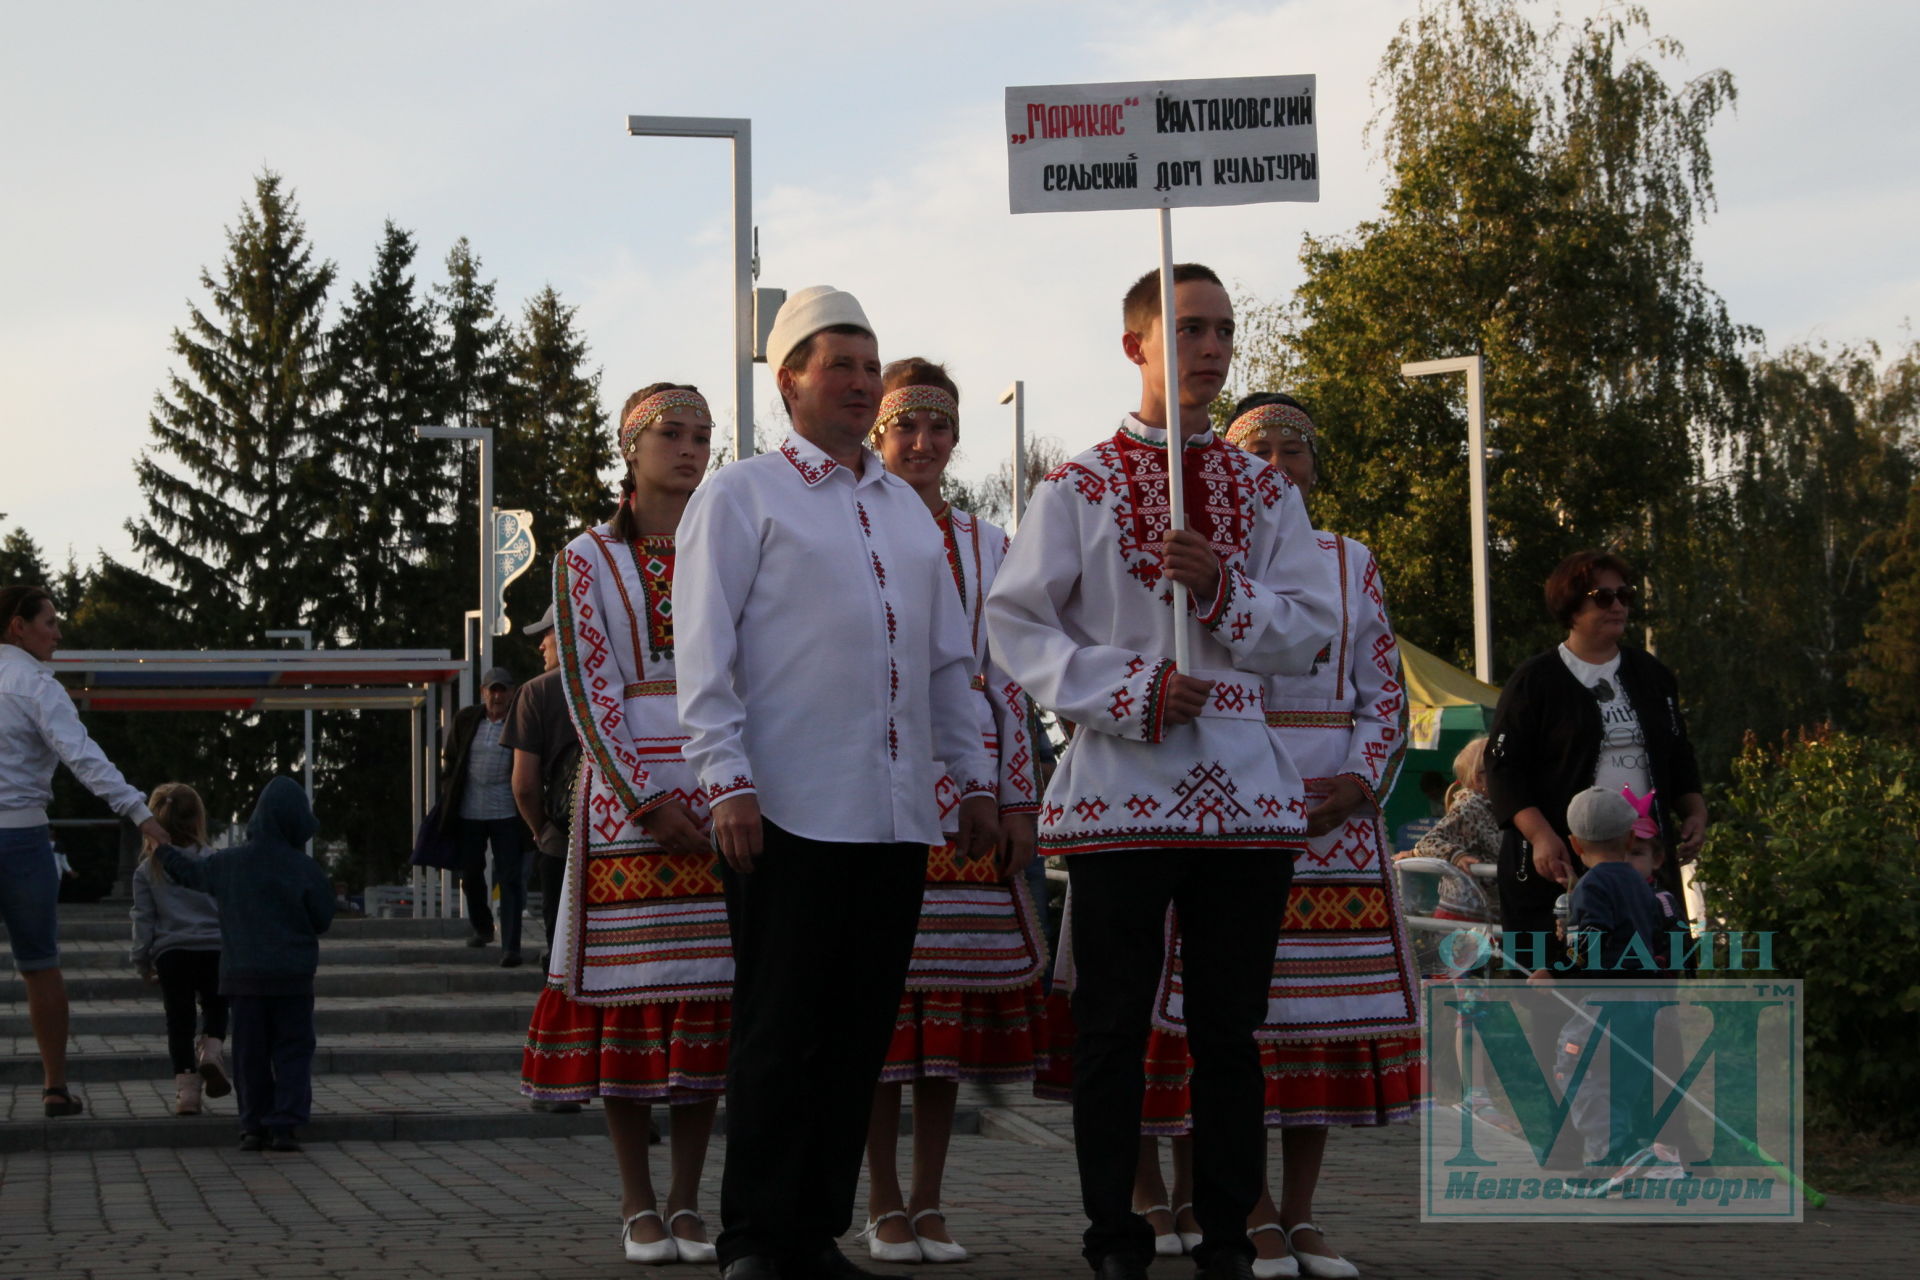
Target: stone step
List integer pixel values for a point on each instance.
(103, 1059)
(96, 957)
(91, 924)
(445, 978)
(477, 1014)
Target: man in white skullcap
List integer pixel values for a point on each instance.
(824, 672)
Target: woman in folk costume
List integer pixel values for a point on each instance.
(972, 1008)
(635, 1010)
(1342, 1044)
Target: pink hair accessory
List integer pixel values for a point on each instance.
(1644, 826)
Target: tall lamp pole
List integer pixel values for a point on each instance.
(1016, 395)
(1473, 367)
(741, 133)
(489, 591)
(305, 637)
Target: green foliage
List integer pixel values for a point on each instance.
(1818, 841)
(1765, 575)
(1543, 190)
(1888, 671)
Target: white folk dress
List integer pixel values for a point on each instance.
(972, 1009)
(640, 977)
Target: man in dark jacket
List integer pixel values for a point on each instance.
(477, 781)
(546, 758)
(275, 902)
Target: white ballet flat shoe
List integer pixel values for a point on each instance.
(1189, 1240)
(1317, 1266)
(1281, 1268)
(1167, 1245)
(886, 1250)
(690, 1250)
(653, 1251)
(935, 1250)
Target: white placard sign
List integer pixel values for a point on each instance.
(1162, 144)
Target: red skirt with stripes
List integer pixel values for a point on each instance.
(673, 1051)
(967, 1035)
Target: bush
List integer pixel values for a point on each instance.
(1819, 842)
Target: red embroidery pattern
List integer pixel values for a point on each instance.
(653, 558)
(741, 782)
(586, 655)
(866, 525)
(879, 570)
(1229, 697)
(1269, 806)
(1221, 484)
(1053, 815)
(1122, 703)
(1091, 810)
(1206, 795)
(1154, 726)
(812, 473)
(1143, 806)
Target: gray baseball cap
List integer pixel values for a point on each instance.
(1599, 814)
(502, 676)
(540, 628)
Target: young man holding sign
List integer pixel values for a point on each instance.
(1173, 790)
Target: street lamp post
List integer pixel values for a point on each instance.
(305, 637)
(741, 133)
(1473, 367)
(489, 602)
(1016, 395)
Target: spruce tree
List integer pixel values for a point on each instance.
(230, 505)
(21, 561)
(556, 450)
(476, 340)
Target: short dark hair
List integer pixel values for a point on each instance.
(1572, 578)
(1141, 306)
(625, 527)
(22, 600)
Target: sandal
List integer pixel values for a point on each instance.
(60, 1103)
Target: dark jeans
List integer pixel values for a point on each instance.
(553, 875)
(187, 976)
(1230, 904)
(822, 934)
(273, 1044)
(508, 836)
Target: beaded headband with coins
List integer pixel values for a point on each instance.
(1282, 421)
(650, 411)
(901, 401)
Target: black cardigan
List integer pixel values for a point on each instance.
(1545, 744)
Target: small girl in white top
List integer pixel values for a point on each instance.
(176, 943)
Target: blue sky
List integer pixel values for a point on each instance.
(134, 131)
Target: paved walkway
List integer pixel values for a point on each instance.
(546, 1210)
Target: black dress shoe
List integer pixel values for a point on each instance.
(253, 1142)
(511, 960)
(282, 1140)
(1121, 1266)
(480, 940)
(751, 1267)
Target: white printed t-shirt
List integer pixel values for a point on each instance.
(1623, 744)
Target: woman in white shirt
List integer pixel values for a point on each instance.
(39, 730)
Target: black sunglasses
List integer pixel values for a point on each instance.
(1605, 596)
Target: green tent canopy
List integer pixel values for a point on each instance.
(1448, 709)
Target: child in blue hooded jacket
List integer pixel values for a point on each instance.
(275, 902)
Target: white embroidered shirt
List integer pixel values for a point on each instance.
(823, 657)
(1081, 617)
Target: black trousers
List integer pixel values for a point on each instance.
(508, 836)
(553, 875)
(1230, 903)
(273, 1043)
(822, 935)
(187, 978)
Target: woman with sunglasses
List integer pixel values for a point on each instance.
(1590, 712)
